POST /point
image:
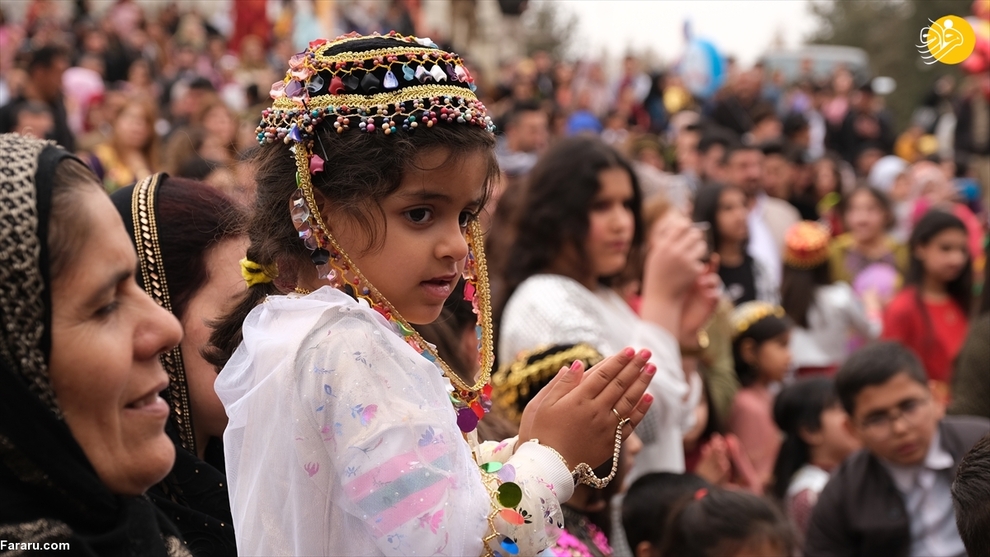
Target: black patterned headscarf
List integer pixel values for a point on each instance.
(49, 491)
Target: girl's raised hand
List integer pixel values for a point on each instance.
(573, 413)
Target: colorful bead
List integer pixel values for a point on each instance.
(390, 81)
(492, 467)
(509, 494)
(407, 73)
(467, 421)
(512, 517)
(336, 85)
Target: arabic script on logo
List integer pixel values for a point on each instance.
(949, 40)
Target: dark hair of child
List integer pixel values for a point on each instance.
(554, 212)
(970, 493)
(960, 290)
(798, 407)
(873, 365)
(361, 170)
(648, 502)
(797, 290)
(724, 522)
(763, 330)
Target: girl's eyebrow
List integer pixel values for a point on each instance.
(424, 195)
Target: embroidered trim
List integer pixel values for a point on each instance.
(155, 284)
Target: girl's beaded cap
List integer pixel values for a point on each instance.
(806, 245)
(401, 86)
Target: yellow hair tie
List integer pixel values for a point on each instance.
(254, 273)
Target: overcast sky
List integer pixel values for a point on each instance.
(743, 28)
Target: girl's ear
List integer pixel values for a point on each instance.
(747, 349)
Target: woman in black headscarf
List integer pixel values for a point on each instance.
(189, 239)
(82, 428)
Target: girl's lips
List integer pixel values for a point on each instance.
(439, 289)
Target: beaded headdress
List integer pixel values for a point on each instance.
(750, 313)
(806, 245)
(388, 84)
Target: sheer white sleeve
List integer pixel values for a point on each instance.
(351, 447)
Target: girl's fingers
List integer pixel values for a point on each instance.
(631, 397)
(611, 382)
(602, 373)
(566, 382)
(536, 400)
(637, 414)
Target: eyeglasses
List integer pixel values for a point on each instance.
(882, 423)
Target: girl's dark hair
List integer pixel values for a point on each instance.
(194, 218)
(960, 290)
(706, 210)
(798, 408)
(723, 522)
(361, 170)
(554, 212)
(763, 330)
(880, 197)
(798, 288)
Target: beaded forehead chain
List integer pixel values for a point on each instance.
(360, 91)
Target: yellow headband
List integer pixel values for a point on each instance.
(254, 273)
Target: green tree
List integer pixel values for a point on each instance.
(549, 28)
(889, 30)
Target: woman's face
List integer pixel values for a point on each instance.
(206, 306)
(107, 335)
(865, 217)
(220, 124)
(131, 126)
(611, 224)
(730, 218)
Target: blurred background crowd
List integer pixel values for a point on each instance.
(814, 175)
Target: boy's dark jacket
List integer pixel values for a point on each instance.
(860, 511)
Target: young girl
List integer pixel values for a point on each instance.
(815, 442)
(724, 209)
(930, 315)
(825, 313)
(867, 216)
(577, 228)
(131, 152)
(716, 522)
(347, 435)
(761, 333)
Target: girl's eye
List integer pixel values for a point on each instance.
(419, 216)
(465, 218)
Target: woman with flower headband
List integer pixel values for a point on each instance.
(347, 434)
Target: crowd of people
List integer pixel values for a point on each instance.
(420, 310)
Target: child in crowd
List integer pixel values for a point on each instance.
(761, 334)
(930, 316)
(724, 523)
(725, 209)
(816, 441)
(824, 313)
(647, 505)
(347, 433)
(868, 216)
(970, 493)
(892, 498)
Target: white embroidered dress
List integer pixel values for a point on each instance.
(342, 441)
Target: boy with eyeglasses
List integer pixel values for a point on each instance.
(893, 498)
